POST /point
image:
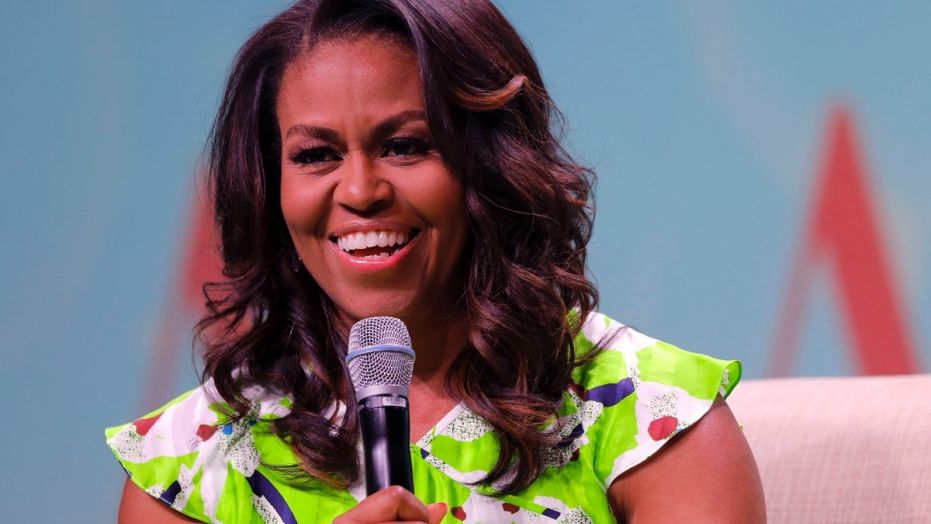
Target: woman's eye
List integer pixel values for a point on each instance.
(405, 147)
(314, 156)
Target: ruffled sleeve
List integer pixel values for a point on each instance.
(641, 392)
(190, 455)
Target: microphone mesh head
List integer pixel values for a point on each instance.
(376, 331)
(380, 353)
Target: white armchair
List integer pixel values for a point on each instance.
(840, 450)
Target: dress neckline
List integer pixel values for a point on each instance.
(441, 426)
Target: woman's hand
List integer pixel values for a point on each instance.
(393, 504)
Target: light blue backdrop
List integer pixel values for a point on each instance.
(705, 121)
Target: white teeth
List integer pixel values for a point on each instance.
(352, 241)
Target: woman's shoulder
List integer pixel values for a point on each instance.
(180, 426)
(633, 392)
(186, 452)
(611, 352)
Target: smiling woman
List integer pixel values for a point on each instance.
(359, 168)
(398, 157)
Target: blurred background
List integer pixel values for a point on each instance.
(764, 193)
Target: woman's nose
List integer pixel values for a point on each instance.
(360, 187)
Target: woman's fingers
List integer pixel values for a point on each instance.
(390, 504)
(437, 512)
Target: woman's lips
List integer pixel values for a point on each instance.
(376, 258)
(365, 240)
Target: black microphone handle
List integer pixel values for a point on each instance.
(385, 425)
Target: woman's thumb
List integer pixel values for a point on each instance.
(437, 512)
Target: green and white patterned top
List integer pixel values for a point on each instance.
(621, 408)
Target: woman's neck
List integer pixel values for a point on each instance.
(437, 343)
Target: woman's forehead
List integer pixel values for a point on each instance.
(364, 52)
(364, 76)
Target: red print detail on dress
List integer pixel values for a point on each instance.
(459, 513)
(578, 390)
(662, 427)
(510, 508)
(205, 431)
(143, 425)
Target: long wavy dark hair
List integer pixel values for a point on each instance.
(529, 213)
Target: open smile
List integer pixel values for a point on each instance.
(374, 246)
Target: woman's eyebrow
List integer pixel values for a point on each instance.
(392, 123)
(379, 132)
(311, 131)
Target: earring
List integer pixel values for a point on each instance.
(296, 262)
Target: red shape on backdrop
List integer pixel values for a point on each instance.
(199, 263)
(843, 235)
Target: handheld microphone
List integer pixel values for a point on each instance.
(381, 363)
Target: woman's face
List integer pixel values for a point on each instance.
(377, 217)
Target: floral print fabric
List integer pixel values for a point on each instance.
(622, 407)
